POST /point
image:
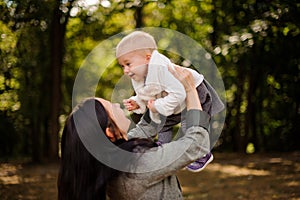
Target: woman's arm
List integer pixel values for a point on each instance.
(155, 165)
(144, 129)
(174, 100)
(187, 80)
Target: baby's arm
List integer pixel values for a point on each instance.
(135, 104)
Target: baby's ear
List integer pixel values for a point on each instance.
(148, 56)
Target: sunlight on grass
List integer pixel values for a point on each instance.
(231, 170)
(10, 180)
(8, 174)
(293, 184)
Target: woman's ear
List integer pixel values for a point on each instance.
(110, 134)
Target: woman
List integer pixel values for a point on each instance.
(149, 172)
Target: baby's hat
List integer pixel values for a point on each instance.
(135, 41)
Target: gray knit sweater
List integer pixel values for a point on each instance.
(155, 177)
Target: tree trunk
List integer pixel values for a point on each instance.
(139, 15)
(239, 134)
(214, 34)
(250, 117)
(57, 52)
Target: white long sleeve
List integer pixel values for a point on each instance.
(159, 79)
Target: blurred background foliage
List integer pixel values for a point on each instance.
(254, 43)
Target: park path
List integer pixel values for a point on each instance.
(229, 176)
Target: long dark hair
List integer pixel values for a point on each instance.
(81, 175)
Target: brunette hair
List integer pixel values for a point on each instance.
(81, 175)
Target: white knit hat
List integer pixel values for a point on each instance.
(135, 41)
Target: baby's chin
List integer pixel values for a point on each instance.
(136, 78)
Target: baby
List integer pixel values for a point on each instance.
(157, 89)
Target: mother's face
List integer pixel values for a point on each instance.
(118, 116)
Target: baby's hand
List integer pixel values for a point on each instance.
(130, 104)
(151, 106)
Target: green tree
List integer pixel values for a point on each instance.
(257, 44)
(40, 28)
(254, 44)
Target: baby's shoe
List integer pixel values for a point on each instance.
(200, 163)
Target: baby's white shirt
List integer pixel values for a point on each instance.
(158, 81)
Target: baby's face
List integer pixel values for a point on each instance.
(135, 65)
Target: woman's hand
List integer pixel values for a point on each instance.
(151, 106)
(187, 80)
(184, 76)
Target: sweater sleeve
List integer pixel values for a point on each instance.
(144, 129)
(166, 160)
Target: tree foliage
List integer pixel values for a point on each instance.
(254, 44)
